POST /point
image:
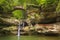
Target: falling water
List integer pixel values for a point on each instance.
(19, 27)
(19, 31)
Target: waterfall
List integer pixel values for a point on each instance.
(19, 27)
(19, 31)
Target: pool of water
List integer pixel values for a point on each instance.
(30, 38)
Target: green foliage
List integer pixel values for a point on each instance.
(58, 7)
(41, 2)
(8, 5)
(1, 1)
(18, 14)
